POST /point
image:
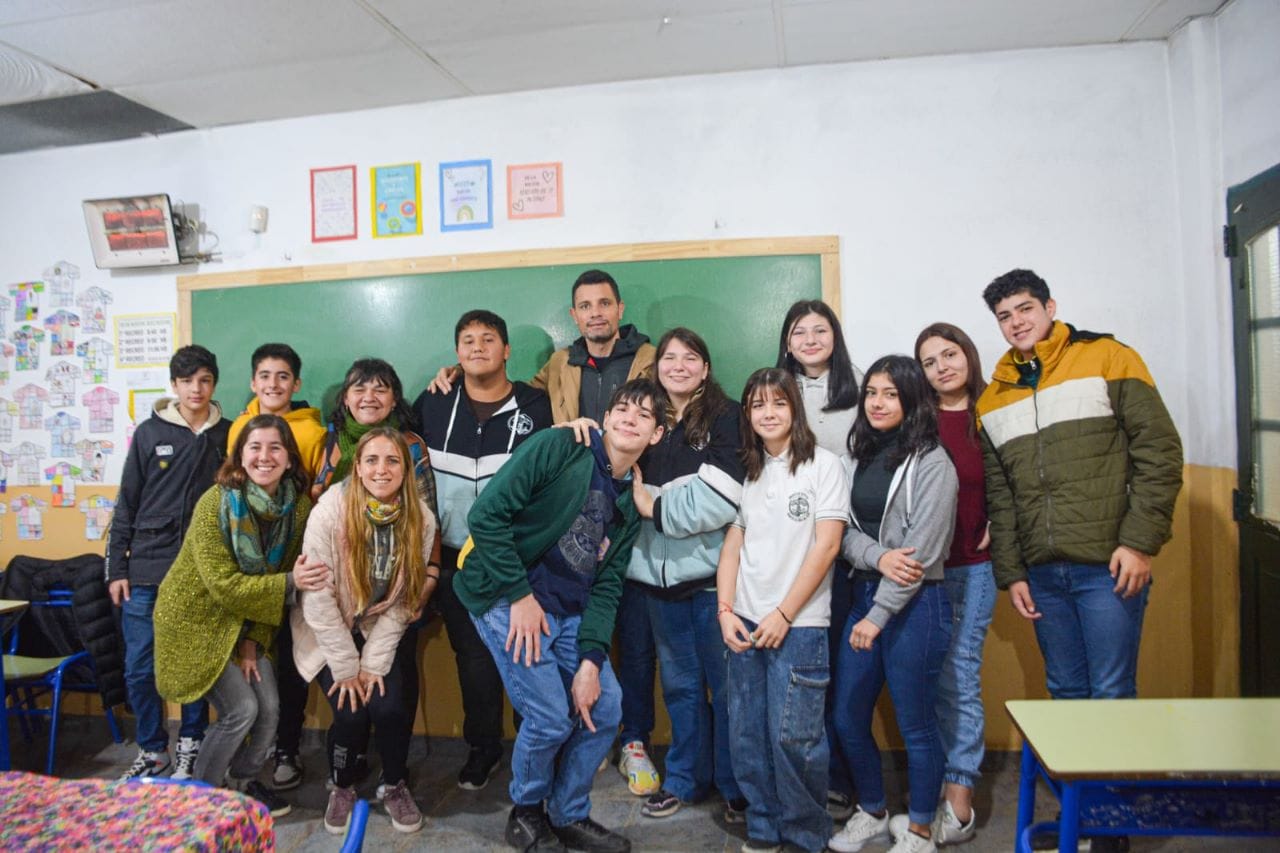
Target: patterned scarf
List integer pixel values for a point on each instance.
(349, 436)
(256, 526)
(381, 514)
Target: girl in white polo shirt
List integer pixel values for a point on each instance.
(774, 588)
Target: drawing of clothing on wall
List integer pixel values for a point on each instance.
(96, 353)
(62, 483)
(31, 398)
(26, 343)
(93, 303)
(97, 515)
(5, 304)
(8, 414)
(61, 379)
(26, 300)
(101, 403)
(6, 352)
(6, 465)
(93, 459)
(62, 429)
(61, 326)
(60, 279)
(30, 512)
(27, 458)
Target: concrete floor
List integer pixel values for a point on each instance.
(460, 820)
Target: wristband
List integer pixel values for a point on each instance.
(723, 609)
(783, 615)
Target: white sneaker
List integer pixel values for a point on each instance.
(861, 830)
(147, 764)
(184, 757)
(912, 843)
(637, 768)
(946, 827)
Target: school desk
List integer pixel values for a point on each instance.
(1150, 766)
(43, 812)
(9, 610)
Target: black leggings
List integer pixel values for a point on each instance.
(349, 733)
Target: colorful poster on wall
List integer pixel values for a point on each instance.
(142, 402)
(466, 195)
(144, 340)
(333, 204)
(535, 190)
(396, 192)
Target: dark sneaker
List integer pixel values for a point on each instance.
(479, 769)
(529, 830)
(660, 804)
(260, 792)
(146, 764)
(735, 810)
(403, 811)
(839, 806)
(288, 772)
(755, 845)
(591, 837)
(337, 815)
(184, 757)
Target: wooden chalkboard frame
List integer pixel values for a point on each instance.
(827, 248)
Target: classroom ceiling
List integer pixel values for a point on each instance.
(154, 66)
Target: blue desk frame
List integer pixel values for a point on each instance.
(1110, 806)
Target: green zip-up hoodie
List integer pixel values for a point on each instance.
(527, 506)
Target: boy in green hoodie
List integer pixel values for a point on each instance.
(552, 535)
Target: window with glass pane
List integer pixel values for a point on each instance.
(1264, 336)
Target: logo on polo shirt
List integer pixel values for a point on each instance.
(520, 423)
(798, 506)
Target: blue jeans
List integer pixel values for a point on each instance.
(1087, 633)
(636, 656)
(907, 654)
(779, 737)
(692, 653)
(961, 718)
(840, 777)
(140, 676)
(540, 693)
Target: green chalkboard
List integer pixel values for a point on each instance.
(736, 303)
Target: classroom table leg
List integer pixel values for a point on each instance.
(1069, 825)
(1027, 789)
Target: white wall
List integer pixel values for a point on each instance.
(937, 174)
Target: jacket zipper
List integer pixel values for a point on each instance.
(1048, 497)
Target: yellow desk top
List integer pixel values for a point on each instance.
(8, 605)
(1152, 738)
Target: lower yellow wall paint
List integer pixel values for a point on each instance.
(1190, 643)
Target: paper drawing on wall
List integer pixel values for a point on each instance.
(62, 483)
(26, 300)
(30, 399)
(61, 380)
(60, 281)
(27, 458)
(8, 416)
(30, 513)
(96, 353)
(6, 465)
(61, 326)
(26, 343)
(93, 304)
(62, 429)
(92, 454)
(101, 403)
(97, 515)
(6, 352)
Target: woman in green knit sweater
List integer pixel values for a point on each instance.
(224, 597)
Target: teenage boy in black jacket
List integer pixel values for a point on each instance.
(471, 431)
(172, 460)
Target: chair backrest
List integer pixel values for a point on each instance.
(354, 840)
(59, 597)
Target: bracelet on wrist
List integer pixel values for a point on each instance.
(724, 608)
(783, 615)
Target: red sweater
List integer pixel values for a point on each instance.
(971, 505)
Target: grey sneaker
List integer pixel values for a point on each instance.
(146, 764)
(287, 774)
(184, 757)
(404, 812)
(337, 815)
(839, 806)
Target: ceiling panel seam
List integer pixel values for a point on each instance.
(779, 35)
(412, 45)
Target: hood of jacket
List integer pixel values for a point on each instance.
(629, 341)
(166, 409)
